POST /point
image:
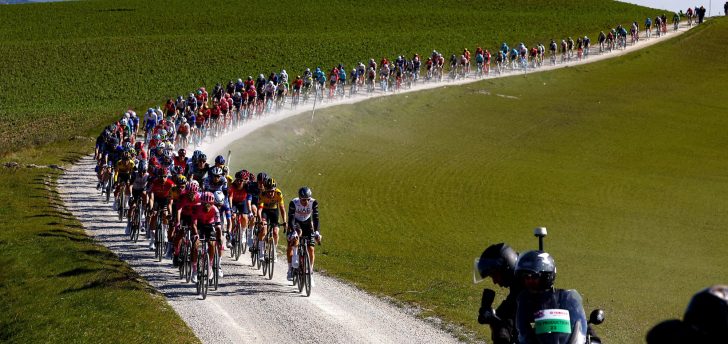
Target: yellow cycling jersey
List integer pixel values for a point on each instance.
(271, 201)
(127, 167)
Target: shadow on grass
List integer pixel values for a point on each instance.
(60, 233)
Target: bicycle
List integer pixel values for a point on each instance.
(238, 239)
(159, 234)
(302, 268)
(120, 200)
(107, 182)
(254, 248)
(185, 254)
(269, 253)
(203, 266)
(135, 219)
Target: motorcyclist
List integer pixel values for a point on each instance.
(705, 320)
(557, 315)
(498, 262)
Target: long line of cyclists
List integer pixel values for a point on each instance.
(190, 208)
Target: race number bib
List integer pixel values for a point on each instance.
(552, 321)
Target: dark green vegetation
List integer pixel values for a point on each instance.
(59, 285)
(79, 63)
(623, 160)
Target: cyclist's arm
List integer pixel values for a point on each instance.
(291, 213)
(282, 210)
(315, 215)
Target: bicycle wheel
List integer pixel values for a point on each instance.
(244, 239)
(233, 238)
(216, 268)
(108, 189)
(122, 203)
(205, 272)
(187, 261)
(266, 257)
(160, 239)
(254, 253)
(134, 225)
(199, 273)
(299, 270)
(307, 273)
(270, 259)
(238, 244)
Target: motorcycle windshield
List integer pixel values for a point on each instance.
(559, 319)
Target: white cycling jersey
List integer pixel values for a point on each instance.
(140, 182)
(303, 212)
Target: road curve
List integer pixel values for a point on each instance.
(248, 307)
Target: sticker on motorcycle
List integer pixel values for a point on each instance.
(552, 321)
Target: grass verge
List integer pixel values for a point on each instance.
(60, 285)
(622, 160)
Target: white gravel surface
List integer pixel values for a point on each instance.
(249, 308)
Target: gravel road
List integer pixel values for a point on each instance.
(248, 307)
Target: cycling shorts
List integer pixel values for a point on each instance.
(123, 178)
(160, 203)
(306, 228)
(242, 207)
(206, 231)
(137, 193)
(271, 215)
(185, 220)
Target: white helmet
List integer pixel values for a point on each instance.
(219, 197)
(126, 115)
(284, 72)
(184, 120)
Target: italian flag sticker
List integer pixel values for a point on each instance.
(552, 321)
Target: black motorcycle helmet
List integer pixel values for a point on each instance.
(497, 257)
(539, 265)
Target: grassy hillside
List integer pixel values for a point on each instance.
(73, 66)
(622, 160)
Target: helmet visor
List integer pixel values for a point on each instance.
(477, 277)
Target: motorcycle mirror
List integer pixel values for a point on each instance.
(540, 233)
(596, 317)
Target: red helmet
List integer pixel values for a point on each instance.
(208, 198)
(139, 145)
(193, 188)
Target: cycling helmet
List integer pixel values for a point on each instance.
(192, 95)
(181, 180)
(270, 184)
(240, 81)
(184, 120)
(220, 160)
(182, 152)
(242, 175)
(163, 172)
(207, 198)
(219, 197)
(304, 192)
(193, 187)
(707, 313)
(539, 264)
(202, 157)
(139, 145)
(128, 146)
(261, 76)
(262, 176)
(113, 141)
(497, 257)
(308, 70)
(157, 137)
(216, 171)
(237, 94)
(163, 133)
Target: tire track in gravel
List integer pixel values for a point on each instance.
(248, 307)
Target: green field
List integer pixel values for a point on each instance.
(622, 160)
(72, 67)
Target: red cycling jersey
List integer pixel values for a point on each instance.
(161, 189)
(206, 217)
(187, 205)
(237, 192)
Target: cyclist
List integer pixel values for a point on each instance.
(220, 162)
(139, 180)
(122, 175)
(181, 161)
(675, 21)
(205, 219)
(226, 213)
(648, 27)
(185, 208)
(159, 192)
(303, 221)
(271, 204)
(198, 169)
(240, 200)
